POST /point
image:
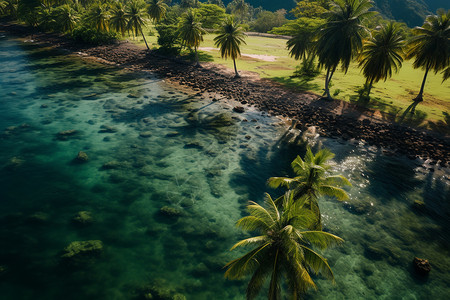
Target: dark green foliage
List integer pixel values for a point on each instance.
(307, 71)
(211, 15)
(168, 39)
(87, 35)
(267, 20)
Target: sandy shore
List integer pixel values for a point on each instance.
(336, 119)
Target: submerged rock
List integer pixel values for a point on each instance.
(145, 134)
(64, 135)
(171, 212)
(112, 165)
(422, 266)
(419, 206)
(82, 249)
(37, 218)
(14, 163)
(107, 129)
(172, 134)
(82, 157)
(83, 218)
(3, 270)
(358, 207)
(160, 291)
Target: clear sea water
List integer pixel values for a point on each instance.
(196, 156)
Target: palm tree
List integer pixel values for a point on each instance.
(119, 21)
(190, 31)
(382, 54)
(229, 39)
(313, 180)
(46, 17)
(137, 18)
(157, 10)
(341, 37)
(430, 46)
(67, 18)
(283, 249)
(98, 17)
(9, 7)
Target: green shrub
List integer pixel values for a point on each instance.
(307, 70)
(87, 35)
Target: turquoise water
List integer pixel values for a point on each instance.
(164, 146)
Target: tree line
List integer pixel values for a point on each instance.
(337, 33)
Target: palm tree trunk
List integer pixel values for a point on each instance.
(235, 69)
(273, 290)
(327, 82)
(143, 36)
(370, 87)
(420, 96)
(196, 57)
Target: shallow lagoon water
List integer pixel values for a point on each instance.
(164, 146)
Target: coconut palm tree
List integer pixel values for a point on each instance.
(229, 39)
(46, 17)
(67, 18)
(190, 31)
(430, 46)
(382, 54)
(137, 18)
(98, 17)
(283, 249)
(341, 37)
(9, 7)
(157, 10)
(119, 21)
(313, 179)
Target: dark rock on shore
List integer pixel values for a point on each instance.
(239, 109)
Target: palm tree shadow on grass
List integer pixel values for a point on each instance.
(300, 85)
(202, 56)
(442, 126)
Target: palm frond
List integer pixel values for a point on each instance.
(249, 241)
(333, 191)
(317, 263)
(245, 264)
(252, 223)
(321, 239)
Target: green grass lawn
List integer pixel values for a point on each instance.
(392, 96)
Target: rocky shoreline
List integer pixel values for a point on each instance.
(336, 119)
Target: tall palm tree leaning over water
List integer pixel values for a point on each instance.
(382, 54)
(430, 46)
(313, 179)
(191, 32)
(137, 18)
(283, 249)
(229, 39)
(341, 37)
